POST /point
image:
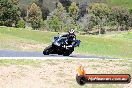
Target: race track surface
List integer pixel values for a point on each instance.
(24, 54)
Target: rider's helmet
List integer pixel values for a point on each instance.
(71, 31)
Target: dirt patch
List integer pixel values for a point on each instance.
(56, 73)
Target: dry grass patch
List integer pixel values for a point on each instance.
(59, 73)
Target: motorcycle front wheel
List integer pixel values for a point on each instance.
(47, 50)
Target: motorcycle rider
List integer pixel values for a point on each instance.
(63, 44)
(70, 38)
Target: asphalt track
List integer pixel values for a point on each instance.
(30, 55)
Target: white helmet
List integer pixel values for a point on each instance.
(71, 31)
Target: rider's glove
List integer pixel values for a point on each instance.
(64, 46)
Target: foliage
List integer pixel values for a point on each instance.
(51, 4)
(55, 24)
(99, 9)
(55, 20)
(34, 16)
(81, 15)
(66, 4)
(9, 13)
(21, 24)
(85, 23)
(60, 20)
(73, 10)
(44, 9)
(121, 16)
(15, 2)
(99, 13)
(42, 25)
(23, 11)
(82, 10)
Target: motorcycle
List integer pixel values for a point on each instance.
(59, 46)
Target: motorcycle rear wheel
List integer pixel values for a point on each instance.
(68, 52)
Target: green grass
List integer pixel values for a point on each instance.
(115, 47)
(41, 37)
(119, 46)
(127, 35)
(19, 62)
(123, 3)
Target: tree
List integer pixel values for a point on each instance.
(55, 20)
(85, 23)
(82, 10)
(100, 13)
(34, 16)
(66, 4)
(130, 17)
(45, 10)
(59, 20)
(15, 2)
(23, 11)
(9, 13)
(59, 10)
(73, 10)
(55, 23)
(121, 16)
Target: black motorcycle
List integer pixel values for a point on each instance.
(59, 46)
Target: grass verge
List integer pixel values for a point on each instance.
(119, 46)
(123, 3)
